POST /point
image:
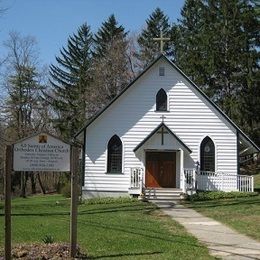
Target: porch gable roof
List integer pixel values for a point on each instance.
(169, 131)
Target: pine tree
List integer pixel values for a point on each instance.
(107, 35)
(71, 83)
(111, 64)
(188, 48)
(216, 43)
(149, 48)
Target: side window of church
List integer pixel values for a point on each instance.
(114, 150)
(161, 100)
(207, 155)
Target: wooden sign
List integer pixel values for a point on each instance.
(41, 152)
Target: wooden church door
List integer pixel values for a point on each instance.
(160, 169)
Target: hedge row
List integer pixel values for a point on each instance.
(215, 195)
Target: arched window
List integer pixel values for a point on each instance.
(114, 151)
(161, 100)
(207, 155)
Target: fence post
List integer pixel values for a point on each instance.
(222, 181)
(182, 170)
(252, 183)
(8, 171)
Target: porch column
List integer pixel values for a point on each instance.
(182, 177)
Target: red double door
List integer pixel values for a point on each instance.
(160, 169)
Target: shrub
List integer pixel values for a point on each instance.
(109, 200)
(215, 195)
(66, 190)
(48, 239)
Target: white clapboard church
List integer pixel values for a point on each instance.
(162, 133)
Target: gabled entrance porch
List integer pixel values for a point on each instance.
(161, 156)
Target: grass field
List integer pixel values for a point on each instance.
(242, 214)
(257, 181)
(118, 229)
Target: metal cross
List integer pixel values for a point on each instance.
(161, 39)
(163, 117)
(162, 132)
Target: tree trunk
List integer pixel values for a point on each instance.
(24, 179)
(40, 183)
(33, 183)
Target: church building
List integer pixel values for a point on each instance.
(162, 133)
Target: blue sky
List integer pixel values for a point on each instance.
(52, 21)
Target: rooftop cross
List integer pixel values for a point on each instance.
(161, 39)
(163, 117)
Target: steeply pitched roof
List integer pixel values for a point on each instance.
(162, 56)
(169, 131)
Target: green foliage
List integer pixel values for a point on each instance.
(149, 48)
(217, 45)
(109, 200)
(111, 66)
(48, 239)
(215, 195)
(66, 190)
(109, 32)
(70, 80)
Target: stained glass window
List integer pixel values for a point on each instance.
(207, 155)
(114, 162)
(161, 100)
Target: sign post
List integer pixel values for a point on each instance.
(74, 201)
(42, 152)
(8, 171)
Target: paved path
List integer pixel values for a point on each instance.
(222, 241)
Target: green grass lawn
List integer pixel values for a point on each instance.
(257, 181)
(241, 214)
(122, 229)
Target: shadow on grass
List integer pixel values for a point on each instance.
(123, 208)
(143, 232)
(224, 202)
(123, 255)
(160, 236)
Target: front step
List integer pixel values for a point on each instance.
(165, 194)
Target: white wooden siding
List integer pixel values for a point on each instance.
(132, 117)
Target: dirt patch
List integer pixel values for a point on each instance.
(54, 251)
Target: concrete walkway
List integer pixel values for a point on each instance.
(222, 241)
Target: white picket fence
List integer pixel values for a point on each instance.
(200, 180)
(212, 181)
(190, 179)
(136, 180)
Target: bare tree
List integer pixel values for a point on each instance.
(111, 73)
(23, 83)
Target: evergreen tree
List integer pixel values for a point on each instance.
(111, 64)
(149, 48)
(188, 45)
(217, 40)
(71, 83)
(109, 33)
